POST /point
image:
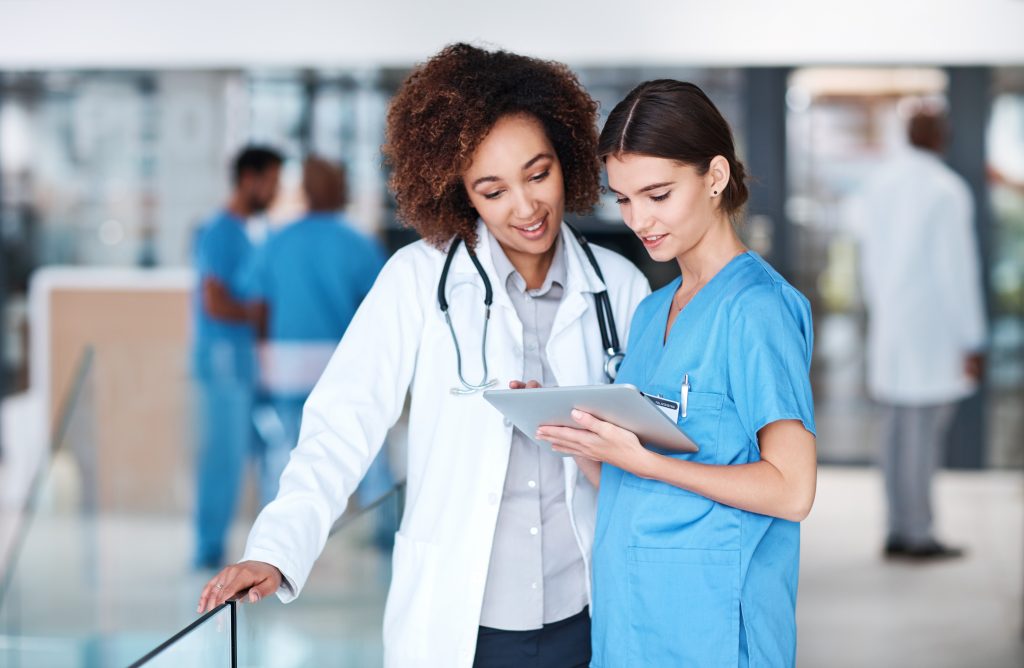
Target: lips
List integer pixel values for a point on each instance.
(652, 240)
(534, 230)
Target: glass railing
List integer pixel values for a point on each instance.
(38, 585)
(209, 642)
(101, 571)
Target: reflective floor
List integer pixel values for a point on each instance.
(102, 591)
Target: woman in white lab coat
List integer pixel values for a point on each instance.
(487, 150)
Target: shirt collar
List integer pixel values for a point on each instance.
(511, 278)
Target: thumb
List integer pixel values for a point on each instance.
(266, 588)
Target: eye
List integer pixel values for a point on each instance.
(660, 198)
(621, 200)
(494, 195)
(537, 178)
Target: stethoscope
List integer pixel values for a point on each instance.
(605, 318)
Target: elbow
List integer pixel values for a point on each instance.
(799, 507)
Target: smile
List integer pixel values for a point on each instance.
(535, 229)
(652, 240)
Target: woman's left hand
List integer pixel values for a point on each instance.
(600, 441)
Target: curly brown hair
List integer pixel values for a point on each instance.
(446, 107)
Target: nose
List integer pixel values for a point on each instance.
(636, 218)
(523, 205)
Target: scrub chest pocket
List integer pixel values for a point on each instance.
(702, 422)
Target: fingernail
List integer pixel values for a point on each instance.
(576, 414)
(253, 597)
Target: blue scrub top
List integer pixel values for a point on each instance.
(222, 351)
(680, 580)
(313, 274)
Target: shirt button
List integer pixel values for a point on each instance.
(531, 484)
(508, 423)
(533, 586)
(493, 499)
(533, 531)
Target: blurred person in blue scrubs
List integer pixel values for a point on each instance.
(914, 220)
(224, 361)
(696, 556)
(311, 277)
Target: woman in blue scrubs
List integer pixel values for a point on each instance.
(696, 556)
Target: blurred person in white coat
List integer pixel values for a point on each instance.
(926, 324)
(491, 562)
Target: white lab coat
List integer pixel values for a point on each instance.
(921, 280)
(458, 445)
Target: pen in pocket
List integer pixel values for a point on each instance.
(684, 395)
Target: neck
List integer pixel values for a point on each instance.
(707, 257)
(532, 267)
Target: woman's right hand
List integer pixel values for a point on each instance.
(250, 579)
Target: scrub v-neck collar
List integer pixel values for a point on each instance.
(696, 299)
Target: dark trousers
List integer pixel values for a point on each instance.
(563, 644)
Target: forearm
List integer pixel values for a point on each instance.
(219, 304)
(758, 487)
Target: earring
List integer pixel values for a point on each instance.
(714, 192)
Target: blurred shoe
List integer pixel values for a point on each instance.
(932, 551)
(894, 547)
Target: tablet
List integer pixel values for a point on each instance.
(623, 405)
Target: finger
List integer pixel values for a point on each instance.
(516, 385)
(567, 434)
(566, 449)
(532, 384)
(211, 588)
(598, 426)
(240, 585)
(221, 589)
(572, 446)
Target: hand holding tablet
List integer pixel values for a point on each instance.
(623, 405)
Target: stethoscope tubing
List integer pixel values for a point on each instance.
(602, 303)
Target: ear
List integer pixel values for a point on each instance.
(718, 176)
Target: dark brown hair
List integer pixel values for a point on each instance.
(675, 120)
(927, 130)
(447, 106)
(324, 184)
(255, 159)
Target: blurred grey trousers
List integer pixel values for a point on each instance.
(913, 438)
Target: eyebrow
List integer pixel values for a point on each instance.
(529, 163)
(653, 186)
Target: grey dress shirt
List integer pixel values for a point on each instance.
(536, 574)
